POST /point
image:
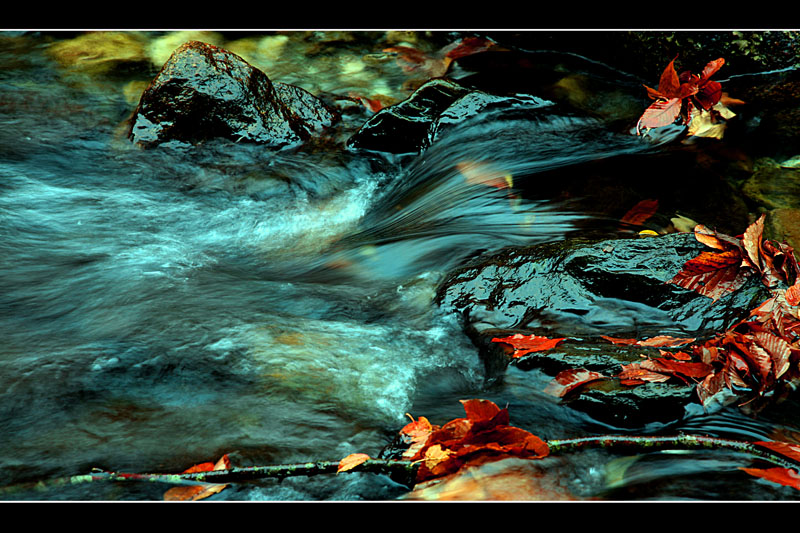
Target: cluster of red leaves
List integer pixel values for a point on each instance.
(653, 370)
(755, 355)
(757, 352)
(681, 94)
(483, 435)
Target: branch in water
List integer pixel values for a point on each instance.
(405, 471)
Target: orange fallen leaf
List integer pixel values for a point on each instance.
(485, 431)
(199, 492)
(525, 344)
(416, 434)
(435, 455)
(352, 461)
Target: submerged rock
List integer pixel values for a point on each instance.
(204, 92)
(101, 52)
(584, 290)
(773, 186)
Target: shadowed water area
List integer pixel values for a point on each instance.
(160, 308)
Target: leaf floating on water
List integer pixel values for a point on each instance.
(641, 212)
(682, 224)
(713, 274)
(525, 344)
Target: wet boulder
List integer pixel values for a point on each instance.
(582, 291)
(412, 125)
(204, 92)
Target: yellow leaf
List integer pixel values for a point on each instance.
(435, 455)
(352, 461)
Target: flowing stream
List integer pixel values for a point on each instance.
(161, 308)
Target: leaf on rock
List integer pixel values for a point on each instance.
(352, 461)
(569, 380)
(713, 274)
(778, 349)
(751, 241)
(525, 344)
(659, 341)
(634, 374)
(712, 239)
(672, 367)
(483, 411)
(434, 457)
(416, 434)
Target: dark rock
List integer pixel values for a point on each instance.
(413, 124)
(574, 288)
(582, 290)
(203, 92)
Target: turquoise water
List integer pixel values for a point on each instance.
(159, 309)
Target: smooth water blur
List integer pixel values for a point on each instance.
(159, 309)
